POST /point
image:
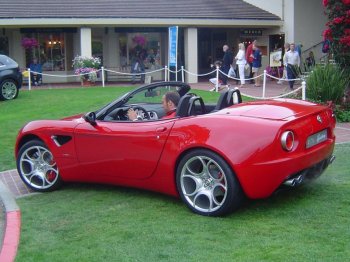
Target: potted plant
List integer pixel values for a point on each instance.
(86, 68)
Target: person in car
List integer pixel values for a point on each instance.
(169, 101)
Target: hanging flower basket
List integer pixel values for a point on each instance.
(29, 42)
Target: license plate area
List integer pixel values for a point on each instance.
(316, 139)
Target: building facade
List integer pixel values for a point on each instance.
(115, 31)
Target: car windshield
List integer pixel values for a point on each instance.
(5, 60)
(149, 98)
(151, 95)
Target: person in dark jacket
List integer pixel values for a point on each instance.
(256, 65)
(226, 63)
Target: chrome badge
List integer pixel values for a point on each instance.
(319, 119)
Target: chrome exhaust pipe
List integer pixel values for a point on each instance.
(332, 158)
(294, 181)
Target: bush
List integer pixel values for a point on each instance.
(327, 83)
(342, 114)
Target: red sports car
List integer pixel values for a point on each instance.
(211, 155)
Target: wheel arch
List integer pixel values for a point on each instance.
(26, 139)
(11, 78)
(188, 150)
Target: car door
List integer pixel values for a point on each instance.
(121, 149)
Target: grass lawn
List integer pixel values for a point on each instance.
(103, 223)
(54, 104)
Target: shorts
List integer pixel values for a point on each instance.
(255, 69)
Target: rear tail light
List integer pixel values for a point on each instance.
(287, 140)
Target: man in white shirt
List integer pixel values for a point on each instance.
(293, 61)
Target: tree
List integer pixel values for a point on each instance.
(338, 29)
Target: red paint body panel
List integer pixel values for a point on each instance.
(145, 154)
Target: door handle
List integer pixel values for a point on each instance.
(161, 129)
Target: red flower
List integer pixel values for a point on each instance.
(338, 20)
(345, 40)
(346, 2)
(325, 2)
(327, 34)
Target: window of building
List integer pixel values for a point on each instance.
(144, 46)
(4, 45)
(47, 48)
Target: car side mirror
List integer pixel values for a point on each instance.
(90, 118)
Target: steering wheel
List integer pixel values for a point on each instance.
(144, 114)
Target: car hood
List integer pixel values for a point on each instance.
(277, 109)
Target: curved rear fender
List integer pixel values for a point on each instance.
(237, 142)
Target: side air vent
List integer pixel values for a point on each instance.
(61, 140)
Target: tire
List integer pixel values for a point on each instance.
(37, 167)
(207, 184)
(8, 89)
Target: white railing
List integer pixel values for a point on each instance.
(167, 72)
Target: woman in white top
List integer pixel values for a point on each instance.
(240, 61)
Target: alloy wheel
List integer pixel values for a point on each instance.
(38, 168)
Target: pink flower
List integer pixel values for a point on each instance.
(325, 2)
(29, 43)
(346, 2)
(338, 20)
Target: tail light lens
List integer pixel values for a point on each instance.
(287, 140)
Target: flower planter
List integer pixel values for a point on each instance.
(85, 82)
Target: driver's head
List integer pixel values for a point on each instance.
(170, 101)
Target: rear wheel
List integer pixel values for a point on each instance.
(207, 184)
(37, 167)
(8, 89)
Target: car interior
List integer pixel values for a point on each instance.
(148, 107)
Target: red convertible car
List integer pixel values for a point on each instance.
(210, 155)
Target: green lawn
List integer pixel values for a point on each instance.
(54, 104)
(103, 223)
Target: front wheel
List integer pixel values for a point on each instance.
(8, 90)
(37, 167)
(207, 184)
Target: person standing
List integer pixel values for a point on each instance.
(256, 65)
(249, 58)
(241, 62)
(226, 63)
(284, 76)
(293, 61)
(310, 61)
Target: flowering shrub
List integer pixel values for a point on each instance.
(275, 71)
(29, 42)
(338, 29)
(85, 61)
(87, 73)
(86, 67)
(139, 40)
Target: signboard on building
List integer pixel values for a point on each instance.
(173, 32)
(251, 32)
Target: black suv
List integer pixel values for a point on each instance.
(10, 78)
